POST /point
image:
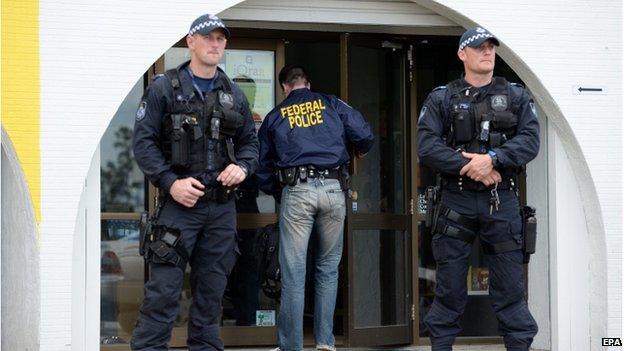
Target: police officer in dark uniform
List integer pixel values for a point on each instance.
(194, 138)
(479, 132)
(303, 153)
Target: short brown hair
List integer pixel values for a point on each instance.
(292, 73)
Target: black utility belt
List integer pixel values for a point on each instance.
(217, 194)
(293, 175)
(247, 193)
(465, 183)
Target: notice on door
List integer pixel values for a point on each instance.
(265, 318)
(254, 72)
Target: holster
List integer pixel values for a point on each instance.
(288, 176)
(146, 226)
(145, 231)
(167, 247)
(344, 177)
(529, 231)
(431, 199)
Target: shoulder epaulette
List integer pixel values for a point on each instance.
(172, 74)
(349, 106)
(517, 85)
(439, 88)
(157, 76)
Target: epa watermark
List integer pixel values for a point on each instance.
(611, 341)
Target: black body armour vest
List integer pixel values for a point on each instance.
(198, 134)
(479, 123)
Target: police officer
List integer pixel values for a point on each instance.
(478, 133)
(303, 148)
(194, 139)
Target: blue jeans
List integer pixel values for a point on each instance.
(319, 204)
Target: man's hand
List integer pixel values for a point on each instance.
(492, 178)
(187, 191)
(232, 175)
(478, 168)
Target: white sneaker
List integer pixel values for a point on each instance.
(325, 348)
(276, 349)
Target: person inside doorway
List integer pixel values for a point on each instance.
(304, 141)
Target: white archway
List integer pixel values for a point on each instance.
(20, 257)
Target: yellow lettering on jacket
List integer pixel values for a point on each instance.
(304, 115)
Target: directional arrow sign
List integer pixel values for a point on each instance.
(582, 89)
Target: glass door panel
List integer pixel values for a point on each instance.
(378, 221)
(380, 285)
(122, 193)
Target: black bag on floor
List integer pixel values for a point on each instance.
(267, 256)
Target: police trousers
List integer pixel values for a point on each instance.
(208, 233)
(506, 280)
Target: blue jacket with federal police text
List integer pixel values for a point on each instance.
(309, 128)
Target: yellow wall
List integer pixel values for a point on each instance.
(21, 87)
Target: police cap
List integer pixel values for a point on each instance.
(474, 37)
(291, 73)
(205, 24)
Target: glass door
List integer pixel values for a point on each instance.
(379, 229)
(122, 201)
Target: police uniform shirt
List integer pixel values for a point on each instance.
(204, 84)
(156, 104)
(434, 122)
(309, 128)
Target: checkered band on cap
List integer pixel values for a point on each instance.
(210, 24)
(473, 38)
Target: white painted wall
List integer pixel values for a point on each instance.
(20, 258)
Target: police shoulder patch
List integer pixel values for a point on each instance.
(140, 114)
(499, 102)
(226, 99)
